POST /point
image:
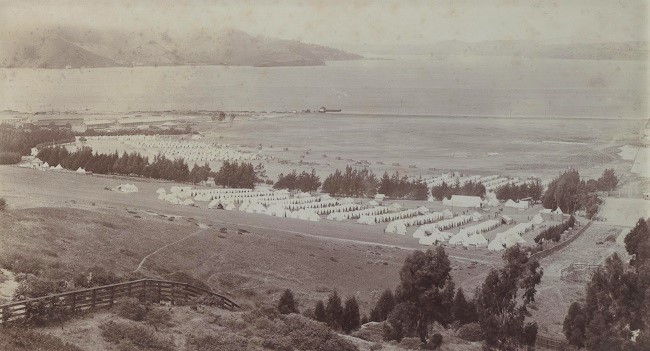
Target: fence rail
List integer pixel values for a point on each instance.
(106, 296)
(548, 343)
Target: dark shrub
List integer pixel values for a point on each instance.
(470, 332)
(158, 318)
(410, 343)
(9, 158)
(140, 336)
(20, 339)
(131, 308)
(32, 286)
(435, 341)
(18, 263)
(217, 342)
(3, 204)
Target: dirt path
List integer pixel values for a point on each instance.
(166, 246)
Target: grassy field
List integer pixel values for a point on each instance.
(87, 224)
(117, 230)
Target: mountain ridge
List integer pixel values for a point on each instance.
(76, 47)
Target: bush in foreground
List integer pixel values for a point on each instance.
(131, 308)
(143, 338)
(14, 339)
(470, 332)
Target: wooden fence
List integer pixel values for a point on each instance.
(106, 296)
(548, 343)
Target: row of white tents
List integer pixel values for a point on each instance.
(511, 236)
(170, 147)
(386, 217)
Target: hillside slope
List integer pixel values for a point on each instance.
(74, 47)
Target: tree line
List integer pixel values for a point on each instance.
(364, 183)
(305, 182)
(236, 175)
(555, 232)
(17, 142)
(352, 182)
(571, 194)
(337, 316)
(231, 174)
(426, 294)
(396, 187)
(445, 190)
(616, 312)
(532, 189)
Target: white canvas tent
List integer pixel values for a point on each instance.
(463, 201)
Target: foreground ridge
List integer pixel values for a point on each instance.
(105, 296)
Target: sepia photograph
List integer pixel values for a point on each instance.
(324, 175)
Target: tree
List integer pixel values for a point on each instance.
(319, 312)
(287, 303)
(637, 243)
(501, 314)
(334, 311)
(3, 204)
(608, 181)
(402, 321)
(384, 306)
(616, 304)
(351, 316)
(574, 325)
(426, 286)
(462, 310)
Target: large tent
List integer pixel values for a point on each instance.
(462, 201)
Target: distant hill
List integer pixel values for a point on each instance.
(631, 50)
(75, 47)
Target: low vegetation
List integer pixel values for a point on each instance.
(133, 336)
(21, 339)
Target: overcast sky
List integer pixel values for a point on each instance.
(354, 22)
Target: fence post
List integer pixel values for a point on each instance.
(112, 297)
(159, 291)
(73, 304)
(129, 290)
(93, 299)
(5, 315)
(144, 290)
